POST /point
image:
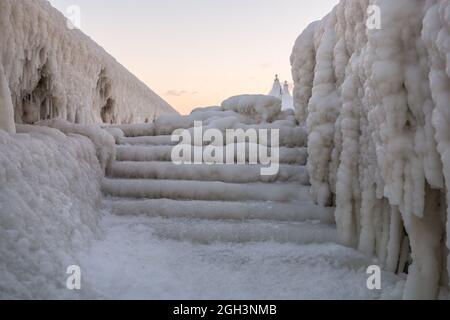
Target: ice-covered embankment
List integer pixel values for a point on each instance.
(49, 207)
(375, 102)
(50, 180)
(55, 72)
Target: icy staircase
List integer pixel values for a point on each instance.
(214, 203)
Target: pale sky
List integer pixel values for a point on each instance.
(196, 53)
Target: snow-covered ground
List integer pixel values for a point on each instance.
(140, 258)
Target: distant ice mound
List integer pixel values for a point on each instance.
(55, 72)
(259, 107)
(282, 93)
(372, 85)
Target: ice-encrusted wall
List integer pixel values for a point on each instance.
(55, 72)
(376, 103)
(50, 200)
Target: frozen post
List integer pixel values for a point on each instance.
(6, 106)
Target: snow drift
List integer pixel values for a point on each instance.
(376, 106)
(49, 208)
(55, 72)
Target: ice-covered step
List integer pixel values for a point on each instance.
(205, 190)
(220, 210)
(232, 173)
(148, 140)
(137, 130)
(166, 124)
(143, 153)
(220, 121)
(164, 153)
(286, 139)
(229, 231)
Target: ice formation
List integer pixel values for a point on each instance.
(104, 142)
(282, 93)
(55, 72)
(6, 106)
(49, 208)
(287, 100)
(376, 105)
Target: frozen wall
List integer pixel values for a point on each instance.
(53, 71)
(376, 105)
(49, 208)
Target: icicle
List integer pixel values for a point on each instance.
(6, 106)
(404, 257)
(395, 240)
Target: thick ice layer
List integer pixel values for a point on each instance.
(164, 153)
(217, 210)
(233, 173)
(204, 190)
(49, 209)
(375, 102)
(55, 72)
(288, 137)
(213, 231)
(104, 142)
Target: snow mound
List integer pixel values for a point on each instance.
(260, 107)
(49, 209)
(375, 103)
(105, 143)
(55, 72)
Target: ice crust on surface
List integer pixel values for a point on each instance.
(164, 153)
(104, 142)
(221, 210)
(375, 104)
(204, 190)
(167, 269)
(55, 72)
(232, 173)
(49, 209)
